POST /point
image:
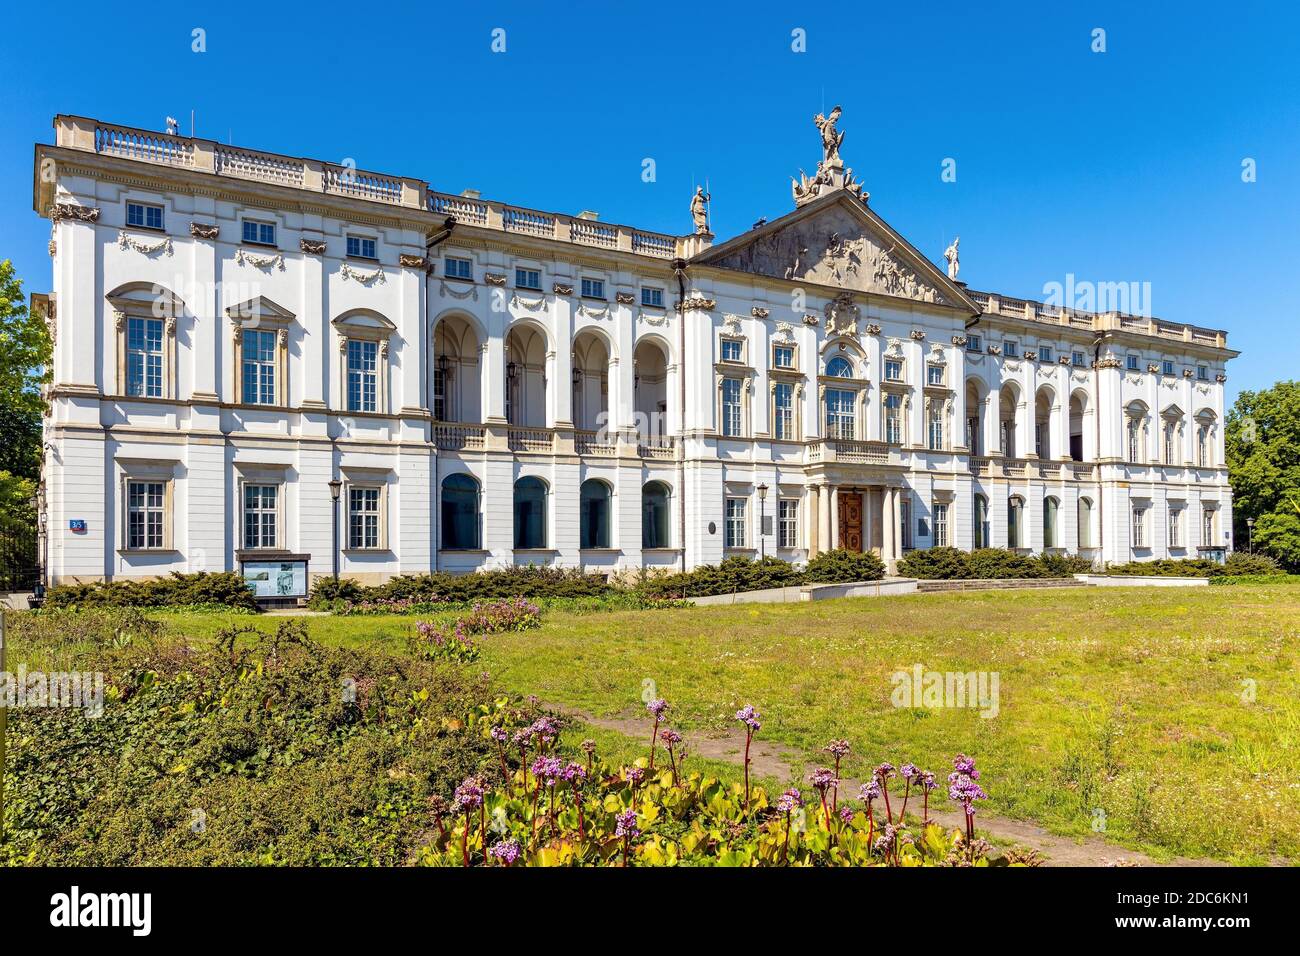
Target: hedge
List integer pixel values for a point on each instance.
(738, 574)
(1238, 563)
(533, 582)
(944, 563)
(221, 588)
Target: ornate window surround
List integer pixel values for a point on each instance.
(264, 315)
(359, 479)
(139, 300)
(260, 474)
(132, 470)
(368, 326)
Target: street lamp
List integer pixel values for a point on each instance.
(1250, 535)
(336, 488)
(762, 520)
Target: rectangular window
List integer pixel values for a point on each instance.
(144, 514)
(1202, 373)
(593, 288)
(1175, 527)
(783, 356)
(1139, 527)
(361, 247)
(363, 376)
(973, 343)
(894, 419)
(731, 350)
(841, 415)
(363, 518)
(260, 516)
(783, 411)
(1167, 367)
(1131, 363)
(1134, 440)
(787, 523)
(1040, 430)
(258, 349)
(1170, 443)
(1202, 446)
(1207, 528)
(973, 435)
(259, 233)
(731, 418)
(458, 268)
(144, 215)
(1044, 353)
(652, 297)
(1011, 348)
(439, 395)
(144, 357)
(934, 426)
(735, 523)
(893, 370)
(905, 519)
(940, 525)
(528, 279)
(934, 374)
(1078, 359)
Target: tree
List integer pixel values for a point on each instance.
(1263, 446)
(25, 355)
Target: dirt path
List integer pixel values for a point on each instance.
(768, 759)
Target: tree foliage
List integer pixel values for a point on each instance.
(1263, 448)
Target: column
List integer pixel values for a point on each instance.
(990, 422)
(896, 521)
(868, 519)
(814, 520)
(887, 517)
(826, 499)
(833, 539)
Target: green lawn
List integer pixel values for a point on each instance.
(1130, 706)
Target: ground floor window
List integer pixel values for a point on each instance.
(593, 531)
(460, 524)
(363, 519)
(1085, 523)
(981, 528)
(1015, 509)
(787, 523)
(940, 525)
(735, 523)
(1050, 507)
(260, 516)
(1175, 527)
(145, 513)
(654, 515)
(905, 519)
(1207, 528)
(1139, 526)
(530, 513)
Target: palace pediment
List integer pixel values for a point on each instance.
(836, 240)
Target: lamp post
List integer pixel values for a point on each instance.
(336, 488)
(762, 520)
(1250, 535)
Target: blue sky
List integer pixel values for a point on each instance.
(1122, 166)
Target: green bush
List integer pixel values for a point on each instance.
(1064, 565)
(533, 582)
(222, 588)
(731, 576)
(1243, 562)
(268, 749)
(1227, 579)
(1001, 563)
(940, 564)
(841, 567)
(1168, 568)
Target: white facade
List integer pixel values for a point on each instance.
(235, 330)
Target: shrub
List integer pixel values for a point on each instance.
(942, 563)
(1168, 567)
(841, 566)
(1064, 565)
(420, 590)
(1243, 562)
(222, 588)
(731, 576)
(1001, 563)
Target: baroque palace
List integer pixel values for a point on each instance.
(292, 368)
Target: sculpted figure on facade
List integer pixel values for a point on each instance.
(831, 137)
(950, 255)
(700, 211)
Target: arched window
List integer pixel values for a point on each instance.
(593, 521)
(981, 522)
(1015, 511)
(654, 516)
(839, 367)
(530, 513)
(460, 526)
(1050, 507)
(1085, 523)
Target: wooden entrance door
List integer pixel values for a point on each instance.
(850, 521)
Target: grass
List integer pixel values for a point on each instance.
(1168, 717)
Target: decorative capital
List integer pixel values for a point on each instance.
(204, 230)
(698, 303)
(1108, 362)
(67, 210)
(873, 328)
(1153, 367)
(1188, 373)
(918, 334)
(624, 298)
(758, 313)
(119, 321)
(410, 261)
(811, 320)
(1220, 378)
(494, 278)
(52, 248)
(995, 350)
(959, 340)
(313, 247)
(562, 288)
(1063, 360)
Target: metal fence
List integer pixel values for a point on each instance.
(19, 562)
